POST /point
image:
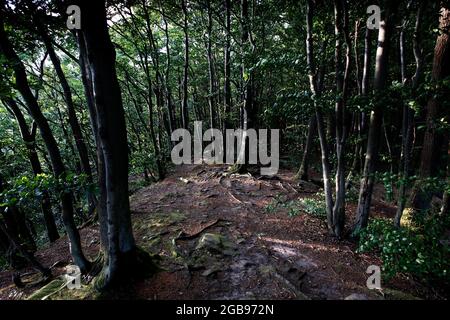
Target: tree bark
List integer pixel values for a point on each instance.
(112, 135)
(59, 170)
(72, 115)
(376, 119)
(319, 117)
(30, 143)
(227, 68)
(302, 173)
(184, 105)
(431, 162)
(342, 78)
(408, 113)
(211, 75)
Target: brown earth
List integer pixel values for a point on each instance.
(251, 245)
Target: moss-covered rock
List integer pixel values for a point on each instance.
(216, 243)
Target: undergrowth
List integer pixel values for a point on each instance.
(420, 252)
(314, 206)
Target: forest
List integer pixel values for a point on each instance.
(224, 150)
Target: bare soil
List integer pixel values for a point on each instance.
(258, 253)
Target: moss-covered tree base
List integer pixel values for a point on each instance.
(138, 265)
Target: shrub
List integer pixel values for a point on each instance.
(314, 206)
(418, 252)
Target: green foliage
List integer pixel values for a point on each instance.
(277, 202)
(420, 252)
(388, 182)
(313, 206)
(25, 189)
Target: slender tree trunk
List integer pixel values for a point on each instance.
(227, 68)
(408, 113)
(302, 173)
(72, 115)
(184, 105)
(170, 107)
(59, 170)
(357, 115)
(30, 143)
(376, 119)
(342, 78)
(212, 90)
(151, 125)
(319, 117)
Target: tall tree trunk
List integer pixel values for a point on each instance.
(227, 67)
(319, 117)
(72, 115)
(86, 77)
(59, 170)
(184, 105)
(357, 115)
(212, 90)
(408, 113)
(30, 143)
(342, 78)
(112, 135)
(151, 126)
(430, 162)
(376, 119)
(170, 107)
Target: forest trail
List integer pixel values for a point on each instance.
(223, 236)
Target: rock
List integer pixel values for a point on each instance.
(391, 294)
(216, 243)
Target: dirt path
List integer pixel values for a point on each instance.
(217, 239)
(268, 255)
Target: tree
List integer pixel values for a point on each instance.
(184, 105)
(376, 119)
(22, 85)
(312, 75)
(120, 249)
(342, 84)
(408, 113)
(433, 141)
(73, 119)
(227, 67)
(30, 143)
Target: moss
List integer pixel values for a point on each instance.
(158, 221)
(46, 291)
(57, 290)
(138, 264)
